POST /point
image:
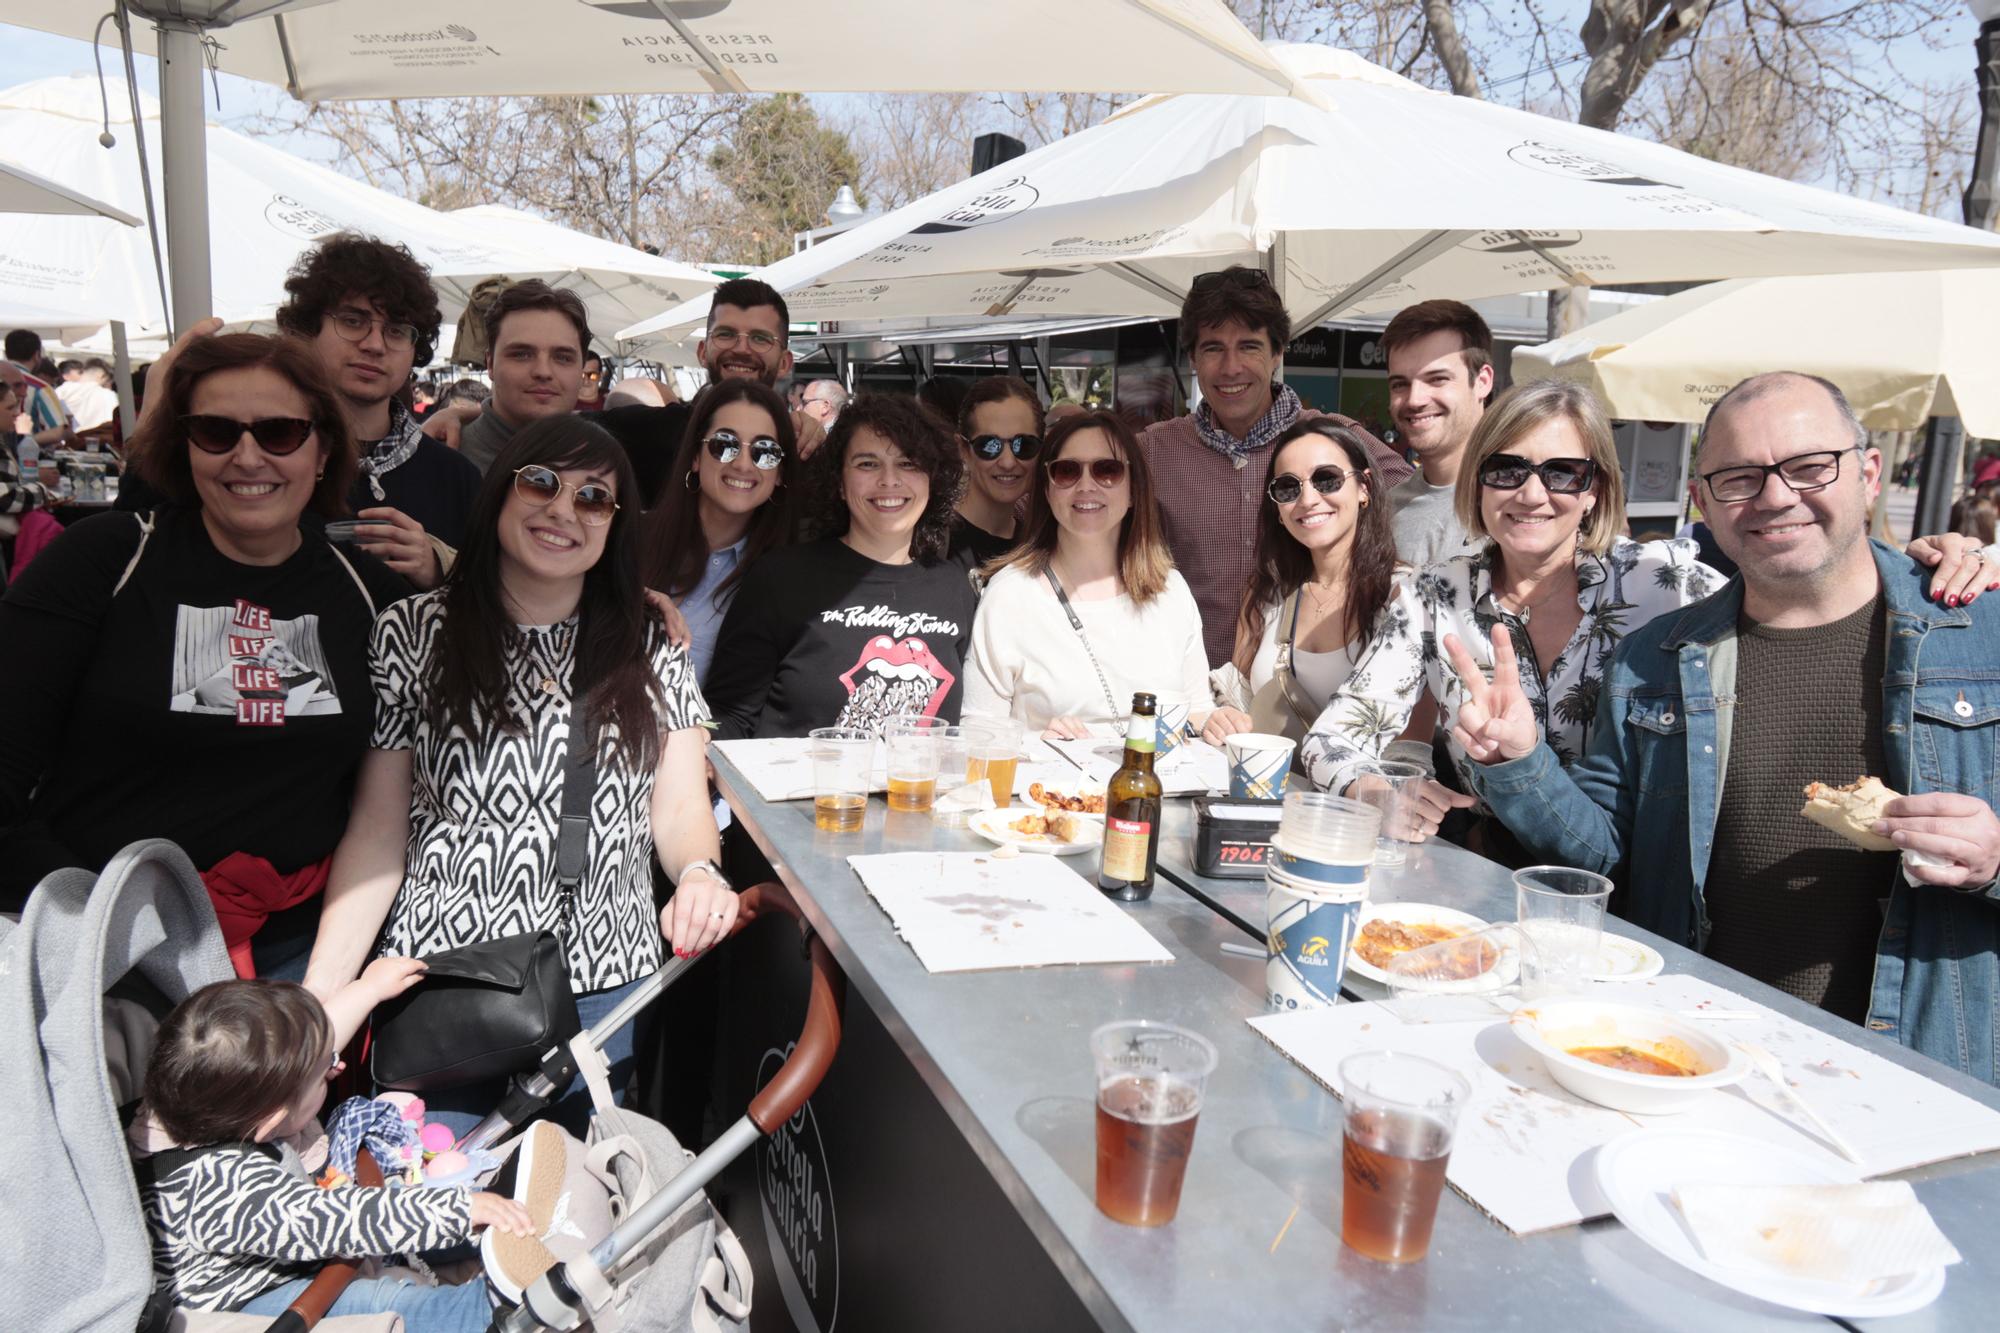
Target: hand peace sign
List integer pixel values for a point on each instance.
(1496, 721)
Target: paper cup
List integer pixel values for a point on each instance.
(1172, 720)
(1259, 764)
(1310, 927)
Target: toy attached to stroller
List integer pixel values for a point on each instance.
(73, 1048)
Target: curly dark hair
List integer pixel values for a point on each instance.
(346, 264)
(1235, 293)
(923, 441)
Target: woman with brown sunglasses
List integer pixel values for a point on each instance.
(1089, 608)
(200, 672)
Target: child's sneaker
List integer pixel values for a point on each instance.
(570, 1207)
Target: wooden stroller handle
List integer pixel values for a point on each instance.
(761, 899)
(334, 1275)
(799, 1076)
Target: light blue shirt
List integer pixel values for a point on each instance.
(703, 616)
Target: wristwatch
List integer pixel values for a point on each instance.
(707, 867)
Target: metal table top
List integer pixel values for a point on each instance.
(1257, 1240)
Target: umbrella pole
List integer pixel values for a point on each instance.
(184, 145)
(121, 375)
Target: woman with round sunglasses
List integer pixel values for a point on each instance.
(1542, 487)
(1322, 574)
(731, 508)
(873, 618)
(200, 671)
(1000, 430)
(1088, 609)
(540, 627)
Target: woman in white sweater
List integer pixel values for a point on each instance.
(1088, 610)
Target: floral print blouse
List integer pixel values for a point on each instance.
(1617, 592)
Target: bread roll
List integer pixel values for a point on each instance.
(1850, 811)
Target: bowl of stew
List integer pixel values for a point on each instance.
(1628, 1057)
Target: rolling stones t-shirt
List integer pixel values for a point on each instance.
(820, 636)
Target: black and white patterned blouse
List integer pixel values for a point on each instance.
(484, 811)
(231, 1222)
(1617, 592)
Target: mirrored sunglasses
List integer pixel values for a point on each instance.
(1286, 489)
(277, 436)
(989, 447)
(724, 446)
(540, 486)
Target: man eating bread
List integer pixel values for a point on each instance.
(1822, 668)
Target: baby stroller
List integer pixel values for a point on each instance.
(93, 964)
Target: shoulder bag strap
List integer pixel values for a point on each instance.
(1076, 623)
(146, 522)
(1288, 681)
(354, 574)
(579, 785)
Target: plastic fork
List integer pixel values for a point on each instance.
(1767, 1065)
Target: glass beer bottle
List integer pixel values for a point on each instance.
(1132, 811)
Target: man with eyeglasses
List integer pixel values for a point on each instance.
(369, 310)
(823, 401)
(1825, 661)
(1211, 465)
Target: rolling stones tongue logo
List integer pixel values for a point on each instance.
(893, 676)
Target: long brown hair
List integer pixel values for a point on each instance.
(1143, 559)
(159, 448)
(613, 681)
(676, 551)
(1280, 565)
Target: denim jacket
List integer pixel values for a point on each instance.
(1644, 795)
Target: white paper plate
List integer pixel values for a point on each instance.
(1622, 959)
(1424, 914)
(1638, 1172)
(992, 826)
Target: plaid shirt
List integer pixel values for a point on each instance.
(1209, 499)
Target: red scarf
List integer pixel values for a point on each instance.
(247, 890)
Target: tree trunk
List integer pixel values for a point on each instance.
(1450, 50)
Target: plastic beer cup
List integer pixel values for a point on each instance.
(843, 759)
(1151, 1078)
(1399, 1114)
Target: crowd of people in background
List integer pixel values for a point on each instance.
(338, 636)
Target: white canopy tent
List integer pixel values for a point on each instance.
(1360, 195)
(361, 49)
(24, 191)
(1903, 347)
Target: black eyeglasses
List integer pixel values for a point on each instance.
(1067, 472)
(725, 445)
(1801, 472)
(540, 486)
(276, 436)
(1559, 476)
(1286, 489)
(353, 326)
(990, 447)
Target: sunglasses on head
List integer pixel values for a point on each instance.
(1559, 476)
(1067, 472)
(277, 436)
(990, 447)
(725, 445)
(540, 486)
(1286, 489)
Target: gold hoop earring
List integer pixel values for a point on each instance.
(690, 481)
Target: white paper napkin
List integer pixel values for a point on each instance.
(1847, 1234)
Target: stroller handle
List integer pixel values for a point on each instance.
(799, 1076)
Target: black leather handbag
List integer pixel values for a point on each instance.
(482, 1011)
(491, 1009)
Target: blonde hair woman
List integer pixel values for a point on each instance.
(1542, 487)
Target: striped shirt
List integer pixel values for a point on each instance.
(1209, 505)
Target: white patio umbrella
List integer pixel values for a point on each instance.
(23, 191)
(618, 283)
(1903, 347)
(1361, 195)
(266, 207)
(359, 49)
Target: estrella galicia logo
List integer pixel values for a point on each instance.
(289, 215)
(1576, 165)
(797, 1197)
(996, 203)
(879, 289)
(1521, 242)
(460, 31)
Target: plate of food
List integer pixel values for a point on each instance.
(1388, 930)
(1040, 829)
(1069, 800)
(1622, 959)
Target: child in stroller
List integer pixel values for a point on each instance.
(239, 1074)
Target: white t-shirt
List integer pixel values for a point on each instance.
(1028, 663)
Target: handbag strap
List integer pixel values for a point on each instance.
(573, 828)
(1288, 682)
(1076, 623)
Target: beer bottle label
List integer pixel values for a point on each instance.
(1125, 844)
(1142, 733)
